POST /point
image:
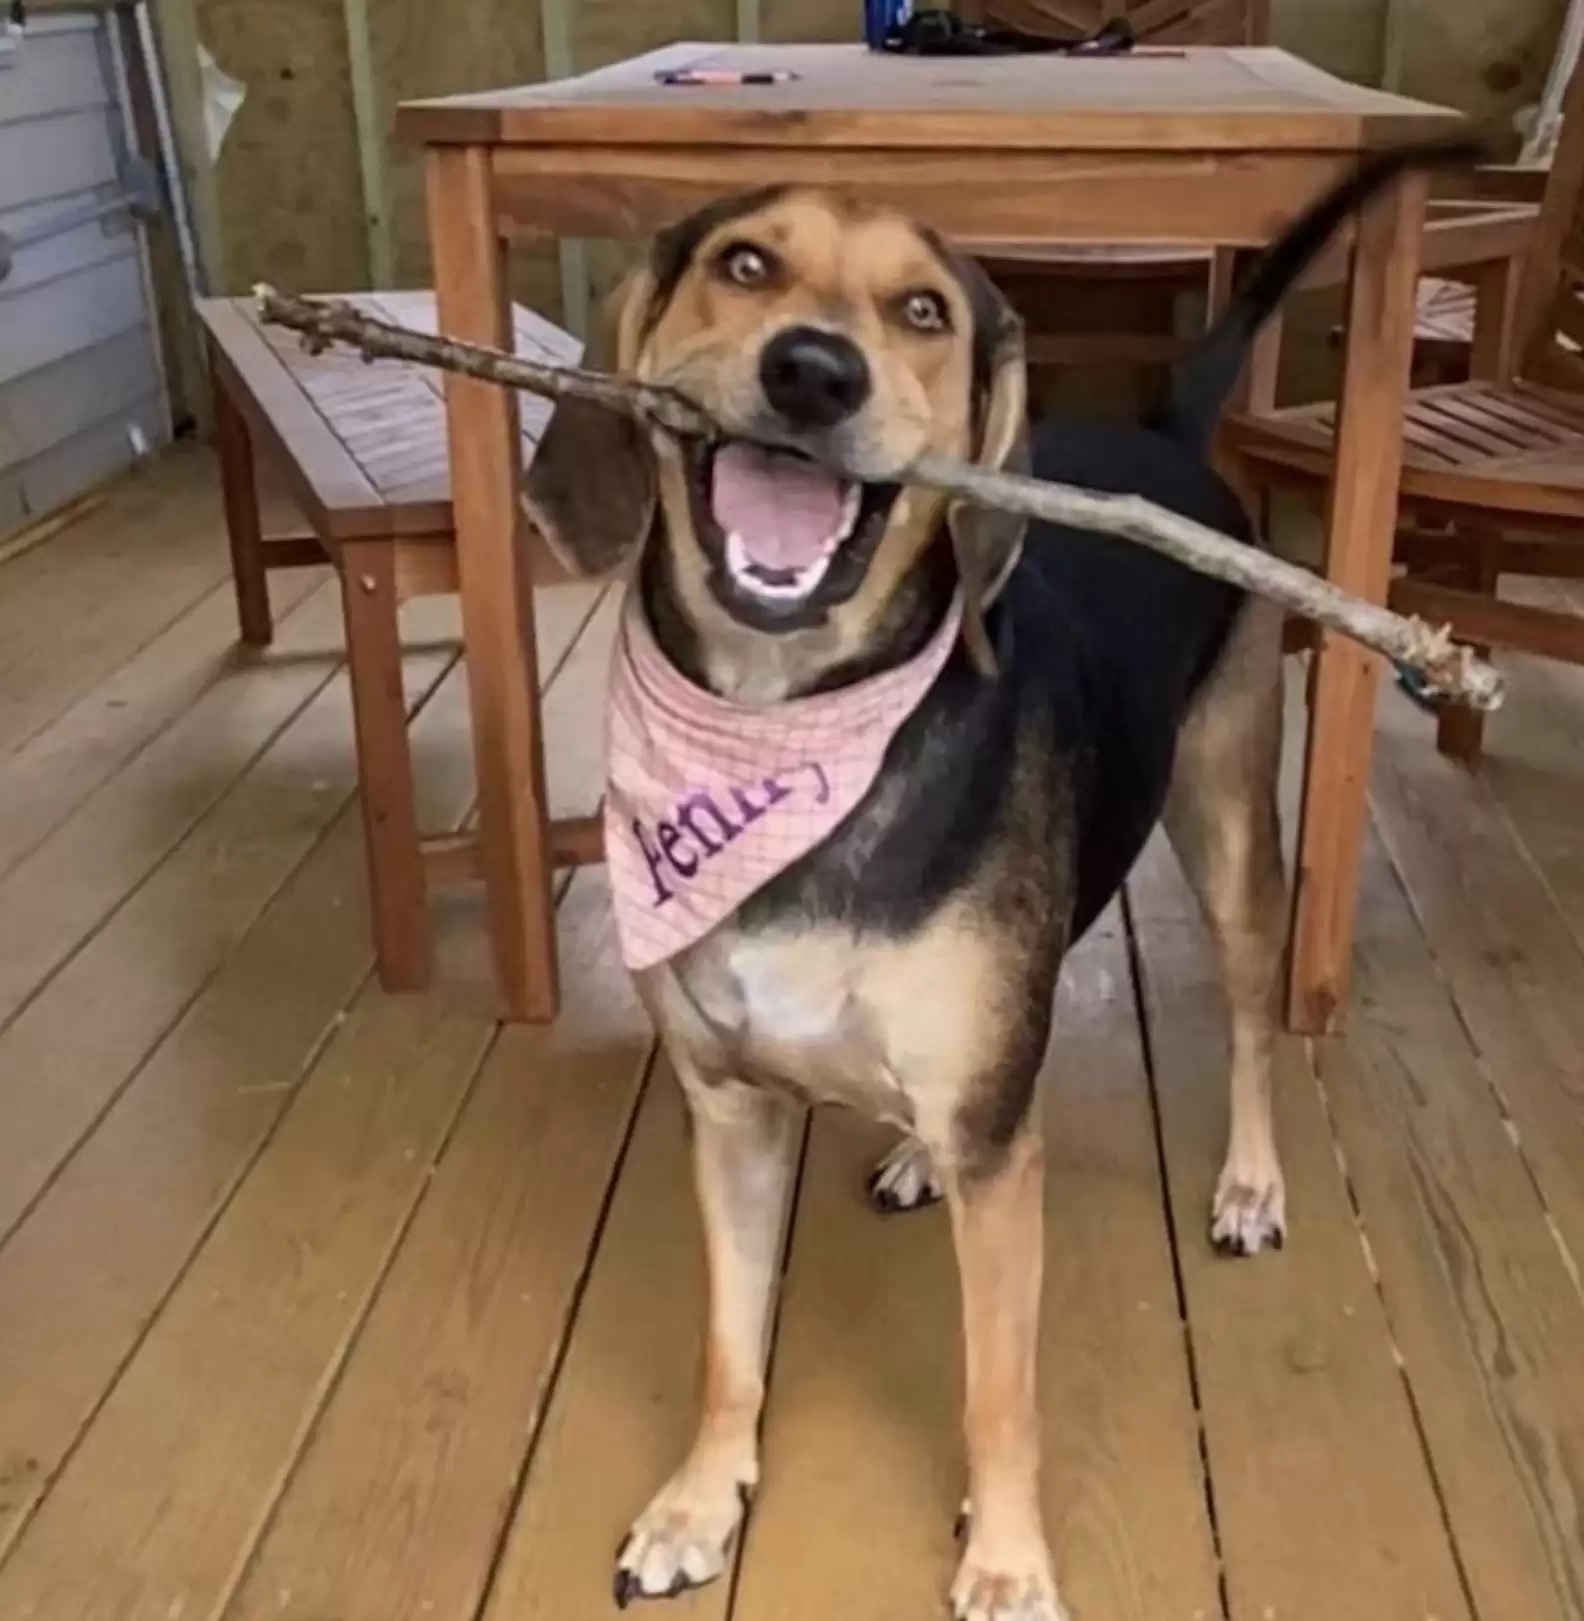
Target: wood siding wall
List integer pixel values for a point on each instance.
(310, 191)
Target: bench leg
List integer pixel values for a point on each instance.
(398, 892)
(497, 595)
(239, 488)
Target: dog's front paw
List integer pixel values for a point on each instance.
(905, 1180)
(1249, 1212)
(684, 1537)
(1006, 1586)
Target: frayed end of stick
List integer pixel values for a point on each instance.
(1451, 670)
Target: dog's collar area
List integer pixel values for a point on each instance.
(646, 651)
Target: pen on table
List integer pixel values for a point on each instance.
(719, 76)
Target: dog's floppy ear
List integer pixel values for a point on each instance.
(590, 488)
(987, 543)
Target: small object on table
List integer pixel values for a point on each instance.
(719, 77)
(895, 27)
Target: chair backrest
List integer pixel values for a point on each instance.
(1160, 22)
(1540, 143)
(1550, 311)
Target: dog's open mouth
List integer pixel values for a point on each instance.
(783, 518)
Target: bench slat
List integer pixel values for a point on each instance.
(326, 476)
(365, 441)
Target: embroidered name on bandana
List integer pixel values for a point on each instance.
(707, 800)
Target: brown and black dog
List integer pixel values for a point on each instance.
(906, 966)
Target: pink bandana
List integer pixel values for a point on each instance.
(707, 800)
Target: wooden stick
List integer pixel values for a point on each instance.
(326, 321)
(1450, 670)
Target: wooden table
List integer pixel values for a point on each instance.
(1210, 148)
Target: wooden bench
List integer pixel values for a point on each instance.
(364, 445)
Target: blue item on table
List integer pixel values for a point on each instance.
(884, 21)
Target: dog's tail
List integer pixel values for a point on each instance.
(1203, 380)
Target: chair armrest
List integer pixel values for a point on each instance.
(1457, 239)
(1493, 182)
(1458, 235)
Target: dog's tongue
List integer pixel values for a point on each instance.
(785, 510)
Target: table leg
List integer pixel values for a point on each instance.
(496, 592)
(398, 890)
(239, 492)
(1361, 520)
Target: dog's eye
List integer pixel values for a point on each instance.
(744, 265)
(925, 311)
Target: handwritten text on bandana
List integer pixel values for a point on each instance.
(707, 800)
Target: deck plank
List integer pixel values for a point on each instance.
(48, 779)
(399, 1500)
(1481, 1303)
(1514, 966)
(159, 1503)
(624, 1403)
(1323, 1499)
(60, 895)
(171, 935)
(74, 610)
(863, 1470)
(1534, 761)
(84, 1273)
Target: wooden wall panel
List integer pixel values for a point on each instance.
(1345, 37)
(296, 199)
(175, 29)
(418, 48)
(289, 192)
(800, 21)
(604, 31)
(1487, 57)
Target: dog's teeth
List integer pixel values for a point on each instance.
(740, 565)
(851, 507)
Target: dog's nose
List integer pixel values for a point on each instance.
(813, 379)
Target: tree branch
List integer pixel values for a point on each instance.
(1452, 671)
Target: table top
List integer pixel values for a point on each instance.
(365, 441)
(1198, 99)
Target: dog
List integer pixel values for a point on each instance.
(1075, 691)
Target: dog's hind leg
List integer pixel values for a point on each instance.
(1221, 816)
(744, 1149)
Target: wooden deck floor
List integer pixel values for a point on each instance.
(317, 1305)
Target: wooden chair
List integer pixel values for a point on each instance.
(1122, 305)
(1459, 332)
(1493, 468)
(1112, 305)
